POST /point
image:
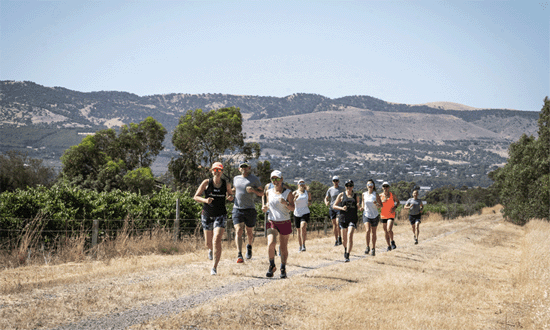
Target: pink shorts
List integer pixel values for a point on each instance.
(283, 227)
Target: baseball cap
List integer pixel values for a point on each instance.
(301, 180)
(277, 174)
(385, 183)
(244, 165)
(335, 178)
(217, 165)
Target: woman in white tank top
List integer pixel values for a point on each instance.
(302, 201)
(371, 217)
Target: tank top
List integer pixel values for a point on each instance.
(385, 212)
(277, 210)
(217, 207)
(351, 203)
(300, 204)
(371, 211)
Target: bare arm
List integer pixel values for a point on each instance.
(258, 191)
(229, 195)
(200, 190)
(337, 202)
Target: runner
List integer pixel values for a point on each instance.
(387, 214)
(280, 202)
(332, 194)
(246, 186)
(302, 201)
(415, 207)
(371, 217)
(214, 214)
(348, 203)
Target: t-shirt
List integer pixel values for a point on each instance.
(333, 194)
(415, 206)
(244, 200)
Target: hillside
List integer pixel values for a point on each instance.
(47, 120)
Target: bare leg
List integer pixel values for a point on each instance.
(351, 231)
(218, 234)
(208, 239)
(303, 229)
(239, 236)
(390, 230)
(283, 244)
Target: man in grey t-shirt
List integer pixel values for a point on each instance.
(330, 198)
(246, 186)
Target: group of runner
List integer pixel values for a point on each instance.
(278, 201)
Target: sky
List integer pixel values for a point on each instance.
(484, 54)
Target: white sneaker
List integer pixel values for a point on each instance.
(210, 255)
(213, 271)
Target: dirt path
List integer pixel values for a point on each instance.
(460, 275)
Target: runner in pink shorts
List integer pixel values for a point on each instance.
(280, 202)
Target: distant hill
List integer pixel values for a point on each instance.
(47, 120)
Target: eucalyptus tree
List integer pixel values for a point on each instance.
(203, 137)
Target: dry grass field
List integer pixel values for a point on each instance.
(478, 272)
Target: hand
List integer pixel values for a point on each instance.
(283, 201)
(209, 200)
(265, 208)
(344, 208)
(230, 198)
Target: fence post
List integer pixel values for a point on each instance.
(325, 225)
(95, 232)
(177, 221)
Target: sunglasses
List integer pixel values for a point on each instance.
(335, 180)
(302, 183)
(349, 185)
(370, 185)
(276, 179)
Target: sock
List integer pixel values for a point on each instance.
(272, 262)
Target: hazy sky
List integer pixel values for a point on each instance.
(485, 54)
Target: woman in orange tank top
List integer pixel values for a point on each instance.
(387, 214)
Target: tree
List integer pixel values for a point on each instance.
(203, 138)
(19, 171)
(102, 161)
(524, 182)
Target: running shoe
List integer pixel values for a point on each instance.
(346, 257)
(304, 247)
(240, 259)
(415, 240)
(283, 272)
(210, 255)
(248, 251)
(270, 271)
(389, 248)
(213, 271)
(367, 250)
(393, 246)
(336, 243)
(372, 252)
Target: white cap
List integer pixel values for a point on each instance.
(277, 174)
(335, 178)
(301, 180)
(385, 183)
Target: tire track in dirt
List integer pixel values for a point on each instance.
(125, 319)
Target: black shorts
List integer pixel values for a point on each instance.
(298, 220)
(386, 220)
(414, 218)
(345, 223)
(333, 214)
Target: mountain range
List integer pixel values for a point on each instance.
(47, 120)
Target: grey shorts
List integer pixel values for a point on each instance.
(373, 221)
(246, 216)
(209, 223)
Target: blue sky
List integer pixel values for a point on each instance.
(484, 54)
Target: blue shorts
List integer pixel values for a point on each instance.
(246, 216)
(298, 220)
(333, 214)
(209, 223)
(373, 221)
(414, 218)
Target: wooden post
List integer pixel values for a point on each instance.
(177, 221)
(95, 232)
(325, 226)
